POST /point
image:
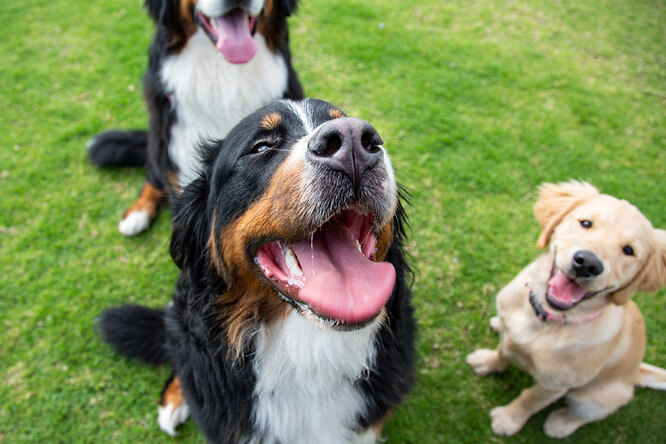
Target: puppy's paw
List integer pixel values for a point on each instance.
(560, 425)
(504, 422)
(134, 223)
(484, 361)
(171, 416)
(495, 324)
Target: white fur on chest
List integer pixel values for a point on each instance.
(211, 95)
(305, 374)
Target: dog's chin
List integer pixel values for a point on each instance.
(309, 314)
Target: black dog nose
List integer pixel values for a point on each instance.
(347, 145)
(586, 264)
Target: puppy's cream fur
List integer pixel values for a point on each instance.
(592, 352)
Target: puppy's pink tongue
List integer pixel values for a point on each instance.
(564, 290)
(235, 40)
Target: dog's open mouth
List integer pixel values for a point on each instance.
(332, 273)
(232, 34)
(563, 292)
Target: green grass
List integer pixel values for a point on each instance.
(478, 103)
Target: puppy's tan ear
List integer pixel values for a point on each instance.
(652, 276)
(556, 201)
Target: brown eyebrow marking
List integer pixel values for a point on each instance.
(335, 113)
(271, 121)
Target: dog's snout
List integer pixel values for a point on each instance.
(347, 145)
(587, 264)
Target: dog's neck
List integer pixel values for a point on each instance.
(307, 380)
(547, 316)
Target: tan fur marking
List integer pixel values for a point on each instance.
(173, 394)
(384, 241)
(213, 253)
(249, 300)
(379, 426)
(186, 8)
(189, 27)
(149, 201)
(174, 181)
(269, 26)
(335, 113)
(271, 121)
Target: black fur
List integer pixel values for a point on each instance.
(137, 332)
(151, 148)
(114, 148)
(217, 383)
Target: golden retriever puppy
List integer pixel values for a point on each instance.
(568, 320)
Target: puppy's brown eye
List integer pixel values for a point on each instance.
(586, 223)
(628, 250)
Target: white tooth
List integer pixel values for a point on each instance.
(358, 245)
(292, 262)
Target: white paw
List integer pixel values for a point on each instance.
(504, 423)
(560, 425)
(134, 223)
(482, 361)
(169, 417)
(495, 324)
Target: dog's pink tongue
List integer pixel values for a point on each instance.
(234, 39)
(565, 290)
(340, 282)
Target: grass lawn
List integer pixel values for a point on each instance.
(477, 101)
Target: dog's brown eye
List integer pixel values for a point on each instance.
(628, 250)
(586, 223)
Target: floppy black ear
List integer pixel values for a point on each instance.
(288, 6)
(191, 225)
(162, 11)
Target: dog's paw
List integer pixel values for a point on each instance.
(483, 361)
(560, 425)
(504, 423)
(495, 324)
(134, 223)
(169, 417)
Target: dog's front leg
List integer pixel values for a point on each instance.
(484, 361)
(509, 419)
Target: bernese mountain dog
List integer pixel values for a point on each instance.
(291, 319)
(211, 63)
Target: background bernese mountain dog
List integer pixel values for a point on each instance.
(211, 63)
(291, 319)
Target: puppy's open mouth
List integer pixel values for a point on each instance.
(332, 273)
(563, 292)
(231, 33)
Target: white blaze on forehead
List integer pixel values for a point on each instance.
(215, 8)
(300, 148)
(301, 110)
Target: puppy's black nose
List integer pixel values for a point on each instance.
(347, 145)
(586, 264)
